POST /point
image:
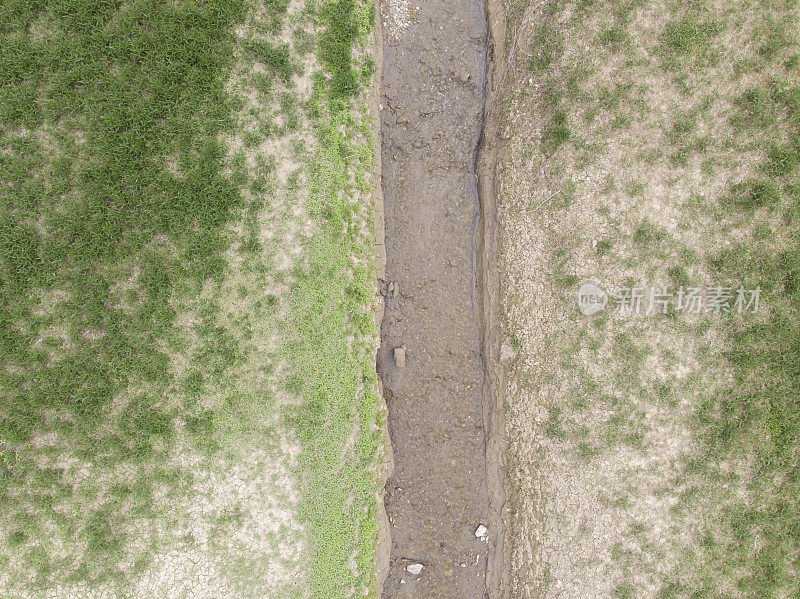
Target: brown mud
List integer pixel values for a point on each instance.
(432, 101)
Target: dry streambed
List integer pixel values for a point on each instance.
(430, 357)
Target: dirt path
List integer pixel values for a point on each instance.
(432, 97)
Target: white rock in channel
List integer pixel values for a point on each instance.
(481, 531)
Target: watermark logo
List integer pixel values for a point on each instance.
(591, 299)
(628, 301)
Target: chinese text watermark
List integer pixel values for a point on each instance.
(628, 301)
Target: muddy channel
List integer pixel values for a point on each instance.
(430, 359)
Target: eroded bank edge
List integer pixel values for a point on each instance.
(386, 464)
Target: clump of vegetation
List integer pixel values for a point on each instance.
(557, 133)
(758, 417)
(689, 35)
(614, 36)
(549, 47)
(276, 58)
(755, 194)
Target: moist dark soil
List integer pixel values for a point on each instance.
(434, 74)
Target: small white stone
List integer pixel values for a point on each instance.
(481, 531)
(414, 569)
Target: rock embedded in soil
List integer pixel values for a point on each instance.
(481, 531)
(400, 356)
(414, 569)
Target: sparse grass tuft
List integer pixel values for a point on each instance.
(557, 133)
(548, 43)
(755, 194)
(614, 37)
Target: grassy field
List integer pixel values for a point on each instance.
(662, 448)
(188, 396)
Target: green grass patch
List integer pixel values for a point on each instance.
(557, 133)
(549, 46)
(758, 417)
(689, 36)
(328, 300)
(118, 198)
(96, 100)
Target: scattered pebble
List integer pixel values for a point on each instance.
(414, 569)
(481, 531)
